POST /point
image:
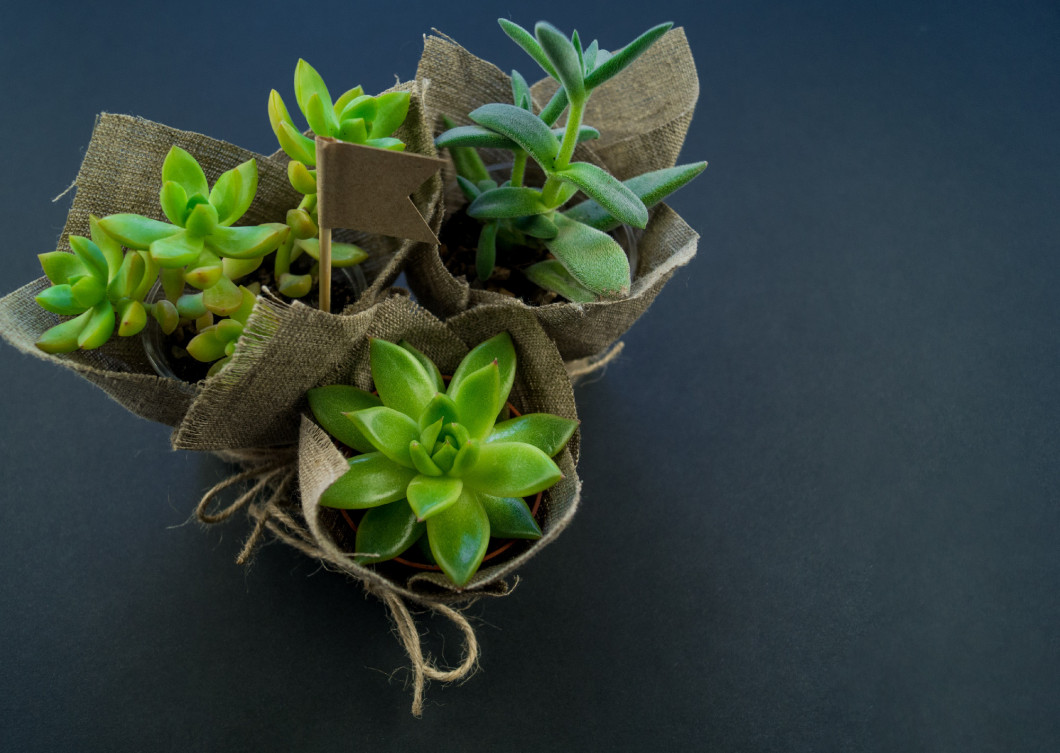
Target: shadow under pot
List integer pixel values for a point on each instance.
(202, 344)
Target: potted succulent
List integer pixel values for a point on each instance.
(616, 149)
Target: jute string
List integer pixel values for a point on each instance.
(272, 473)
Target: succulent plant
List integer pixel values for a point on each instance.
(434, 461)
(355, 117)
(199, 247)
(588, 263)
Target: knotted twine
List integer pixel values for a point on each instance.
(541, 385)
(642, 114)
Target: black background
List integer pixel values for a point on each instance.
(820, 502)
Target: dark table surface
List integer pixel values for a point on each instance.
(820, 486)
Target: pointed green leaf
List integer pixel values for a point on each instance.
(342, 254)
(592, 257)
(392, 144)
(174, 201)
(353, 94)
(466, 457)
(430, 495)
(208, 345)
(302, 178)
(134, 231)
(608, 191)
(440, 408)
(128, 277)
(402, 382)
(59, 299)
(478, 400)
(172, 279)
(234, 192)
(62, 338)
(330, 405)
(278, 112)
(650, 188)
(295, 286)
(148, 278)
(88, 291)
(132, 318)
(544, 431)
(321, 118)
(355, 131)
(91, 257)
(444, 456)
(388, 430)
(550, 112)
(512, 469)
(99, 328)
(242, 314)
(363, 107)
(526, 40)
(60, 266)
(458, 538)
(308, 82)
(246, 242)
(589, 56)
(191, 306)
(476, 136)
(521, 92)
(223, 297)
(550, 274)
(181, 167)
(111, 249)
(297, 146)
(176, 250)
(233, 269)
(510, 517)
(201, 220)
(165, 313)
(506, 202)
(386, 531)
(612, 65)
(565, 59)
(524, 128)
(486, 255)
(499, 348)
(391, 110)
(299, 220)
(421, 461)
(537, 226)
(430, 435)
(429, 366)
(467, 162)
(372, 480)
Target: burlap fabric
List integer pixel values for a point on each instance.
(246, 405)
(642, 114)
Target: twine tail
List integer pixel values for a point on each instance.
(583, 367)
(422, 668)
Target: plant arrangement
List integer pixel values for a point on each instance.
(583, 262)
(433, 460)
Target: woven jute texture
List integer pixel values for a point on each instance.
(254, 402)
(642, 114)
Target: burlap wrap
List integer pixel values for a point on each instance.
(642, 114)
(121, 173)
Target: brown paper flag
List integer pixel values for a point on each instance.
(365, 188)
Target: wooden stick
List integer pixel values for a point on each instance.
(325, 269)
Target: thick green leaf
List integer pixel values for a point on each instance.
(191, 306)
(98, 328)
(458, 537)
(234, 192)
(176, 250)
(537, 226)
(132, 318)
(235, 268)
(391, 110)
(297, 146)
(208, 345)
(386, 142)
(467, 161)
(592, 257)
(650, 188)
(181, 167)
(344, 101)
(564, 57)
(486, 255)
(223, 297)
(510, 517)
(421, 461)
(466, 457)
(205, 276)
(166, 314)
(521, 92)
(128, 277)
(172, 279)
(60, 266)
(427, 364)
(201, 220)
(362, 107)
(295, 286)
(148, 278)
(174, 201)
(302, 178)
(134, 231)
(444, 456)
(506, 202)
(524, 128)
(402, 382)
(91, 257)
(478, 399)
(246, 242)
(278, 112)
(430, 434)
(330, 404)
(321, 120)
(609, 67)
(59, 299)
(550, 274)
(526, 40)
(430, 495)
(342, 254)
(62, 338)
(246, 308)
(499, 348)
(112, 250)
(474, 136)
(512, 469)
(589, 56)
(389, 431)
(544, 431)
(355, 131)
(386, 531)
(308, 82)
(440, 408)
(608, 191)
(373, 480)
(554, 108)
(88, 291)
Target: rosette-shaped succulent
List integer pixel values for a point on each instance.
(434, 460)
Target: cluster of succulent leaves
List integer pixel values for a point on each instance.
(434, 461)
(105, 283)
(355, 117)
(587, 264)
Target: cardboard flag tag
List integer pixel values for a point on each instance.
(366, 188)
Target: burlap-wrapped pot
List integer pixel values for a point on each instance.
(121, 173)
(642, 114)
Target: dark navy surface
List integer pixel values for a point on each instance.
(821, 486)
